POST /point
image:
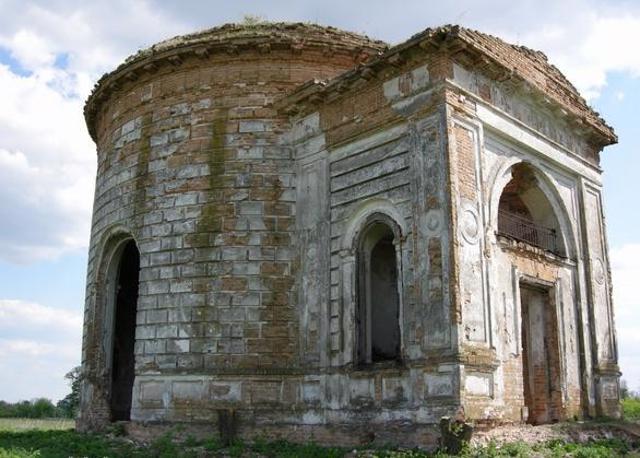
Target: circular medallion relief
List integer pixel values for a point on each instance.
(598, 271)
(433, 221)
(469, 225)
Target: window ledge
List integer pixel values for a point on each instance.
(386, 367)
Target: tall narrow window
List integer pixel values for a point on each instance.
(378, 307)
(125, 299)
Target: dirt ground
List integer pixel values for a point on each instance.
(580, 432)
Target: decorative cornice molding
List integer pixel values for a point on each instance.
(462, 45)
(231, 40)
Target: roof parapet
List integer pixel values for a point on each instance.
(229, 39)
(488, 52)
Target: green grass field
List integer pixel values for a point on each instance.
(26, 424)
(631, 409)
(27, 438)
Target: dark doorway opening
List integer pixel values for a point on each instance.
(540, 355)
(378, 316)
(123, 361)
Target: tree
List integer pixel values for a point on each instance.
(42, 408)
(23, 409)
(8, 409)
(69, 405)
(624, 389)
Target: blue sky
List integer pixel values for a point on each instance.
(52, 52)
(619, 104)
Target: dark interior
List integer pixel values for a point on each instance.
(126, 295)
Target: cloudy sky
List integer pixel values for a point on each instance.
(52, 52)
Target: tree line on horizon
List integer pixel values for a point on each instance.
(45, 408)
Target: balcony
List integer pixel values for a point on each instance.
(524, 230)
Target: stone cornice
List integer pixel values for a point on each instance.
(229, 40)
(467, 47)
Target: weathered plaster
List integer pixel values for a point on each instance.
(248, 198)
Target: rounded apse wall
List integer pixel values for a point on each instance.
(192, 166)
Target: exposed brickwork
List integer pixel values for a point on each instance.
(247, 162)
(465, 163)
(534, 67)
(190, 163)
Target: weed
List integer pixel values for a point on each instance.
(118, 429)
(21, 443)
(631, 409)
(18, 453)
(164, 446)
(191, 441)
(211, 445)
(236, 448)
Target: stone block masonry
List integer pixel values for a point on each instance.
(260, 171)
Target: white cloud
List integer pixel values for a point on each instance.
(38, 346)
(24, 348)
(47, 160)
(21, 314)
(30, 49)
(47, 163)
(48, 195)
(31, 369)
(590, 44)
(625, 271)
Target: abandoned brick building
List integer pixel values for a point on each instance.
(302, 232)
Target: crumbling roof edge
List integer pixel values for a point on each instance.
(436, 37)
(232, 39)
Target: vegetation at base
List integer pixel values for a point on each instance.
(630, 402)
(631, 409)
(62, 444)
(43, 443)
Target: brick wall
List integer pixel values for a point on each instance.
(247, 218)
(191, 164)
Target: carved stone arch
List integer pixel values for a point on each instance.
(545, 184)
(373, 219)
(369, 209)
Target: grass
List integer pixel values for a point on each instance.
(631, 409)
(45, 424)
(25, 438)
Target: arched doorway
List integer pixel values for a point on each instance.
(378, 304)
(124, 297)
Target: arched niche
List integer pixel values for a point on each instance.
(378, 291)
(528, 210)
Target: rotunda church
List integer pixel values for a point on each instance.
(303, 233)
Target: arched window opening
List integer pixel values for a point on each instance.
(378, 312)
(525, 213)
(124, 296)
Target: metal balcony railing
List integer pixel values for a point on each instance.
(525, 230)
